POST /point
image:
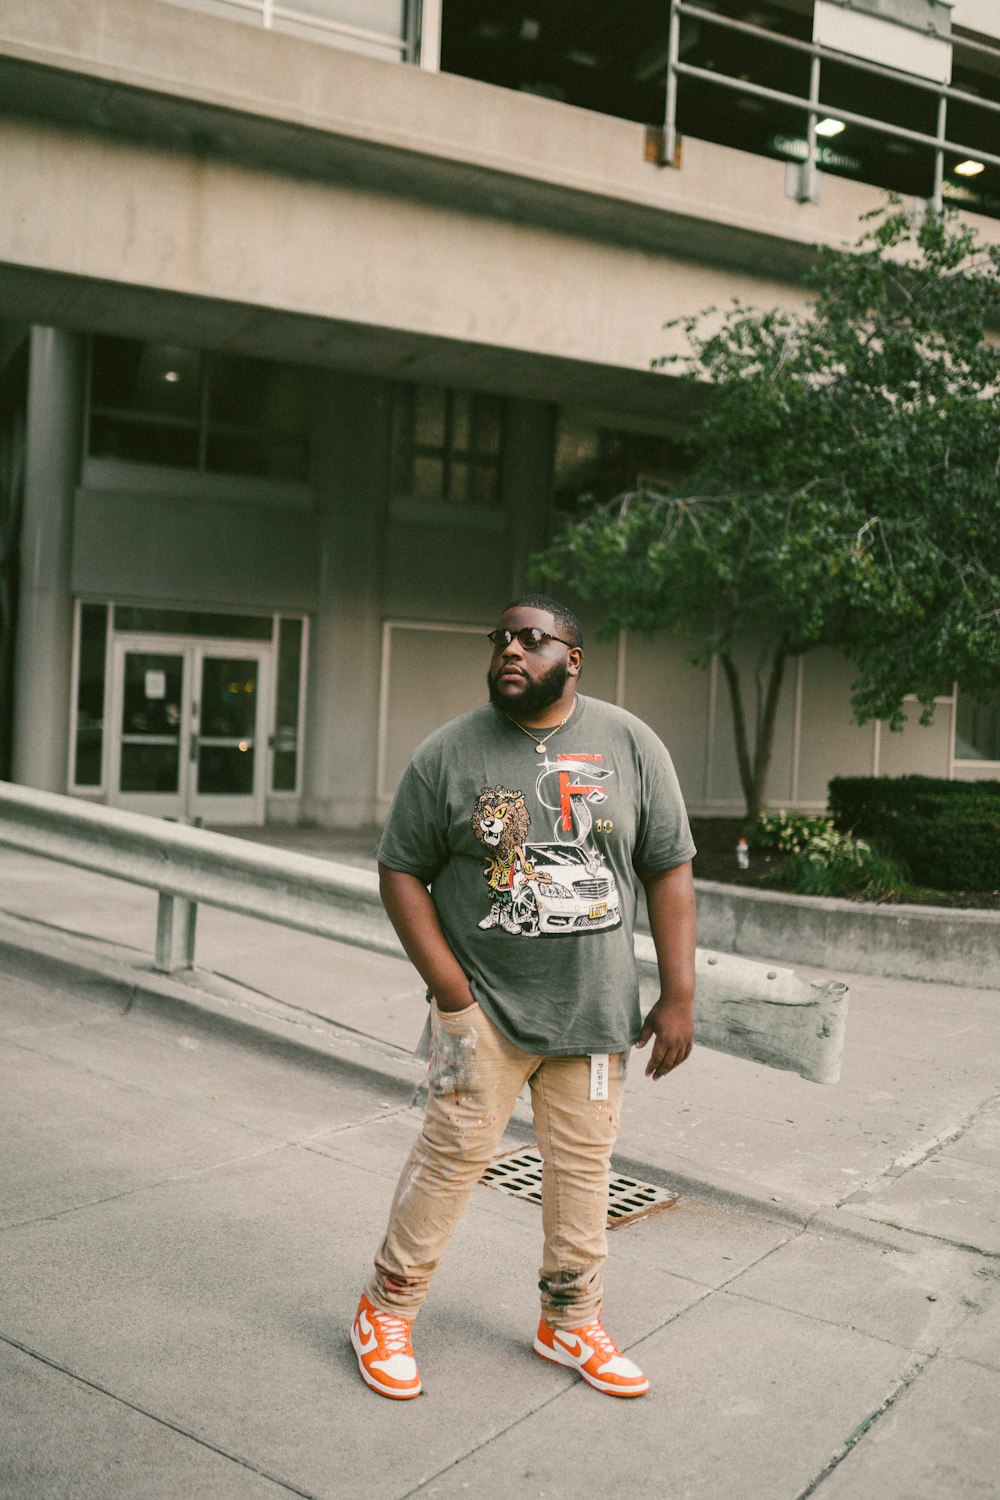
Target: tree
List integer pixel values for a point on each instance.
(844, 491)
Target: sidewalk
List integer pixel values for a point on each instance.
(194, 1177)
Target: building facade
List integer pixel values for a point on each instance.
(315, 322)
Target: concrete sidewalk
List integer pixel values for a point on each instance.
(195, 1174)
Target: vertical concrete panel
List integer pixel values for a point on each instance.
(43, 665)
(663, 688)
(351, 475)
(919, 749)
(831, 743)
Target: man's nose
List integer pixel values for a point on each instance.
(513, 648)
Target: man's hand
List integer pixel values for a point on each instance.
(670, 903)
(672, 1026)
(412, 913)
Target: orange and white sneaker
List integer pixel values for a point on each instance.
(593, 1353)
(385, 1354)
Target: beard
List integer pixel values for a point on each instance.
(535, 696)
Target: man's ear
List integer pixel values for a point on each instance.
(574, 661)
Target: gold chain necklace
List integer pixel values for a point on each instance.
(541, 743)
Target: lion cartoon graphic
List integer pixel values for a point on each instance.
(500, 823)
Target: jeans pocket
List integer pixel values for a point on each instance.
(456, 1020)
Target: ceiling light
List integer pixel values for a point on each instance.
(172, 376)
(830, 127)
(969, 169)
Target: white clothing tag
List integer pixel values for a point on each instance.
(599, 1075)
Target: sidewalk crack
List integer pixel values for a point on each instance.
(911, 1374)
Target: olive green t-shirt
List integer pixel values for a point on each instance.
(532, 862)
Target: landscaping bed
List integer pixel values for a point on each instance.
(717, 838)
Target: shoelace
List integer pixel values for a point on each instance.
(395, 1331)
(597, 1334)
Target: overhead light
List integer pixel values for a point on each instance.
(172, 376)
(969, 169)
(829, 127)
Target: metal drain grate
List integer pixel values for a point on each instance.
(519, 1173)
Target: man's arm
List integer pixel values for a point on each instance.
(670, 1022)
(414, 916)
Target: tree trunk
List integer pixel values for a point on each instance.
(753, 768)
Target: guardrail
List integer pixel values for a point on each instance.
(745, 1008)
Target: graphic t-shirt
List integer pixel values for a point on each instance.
(532, 864)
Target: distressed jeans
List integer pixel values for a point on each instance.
(474, 1079)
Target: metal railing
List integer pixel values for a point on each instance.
(272, 15)
(747, 1009)
(939, 142)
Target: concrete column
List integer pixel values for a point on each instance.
(351, 475)
(529, 434)
(43, 665)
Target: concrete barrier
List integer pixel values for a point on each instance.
(940, 943)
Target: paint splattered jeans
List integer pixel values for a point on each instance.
(475, 1077)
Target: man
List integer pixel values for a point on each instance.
(509, 867)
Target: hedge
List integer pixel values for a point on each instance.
(947, 833)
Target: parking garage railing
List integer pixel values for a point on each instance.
(939, 142)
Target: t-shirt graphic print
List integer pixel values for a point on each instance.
(554, 883)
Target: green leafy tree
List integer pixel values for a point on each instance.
(844, 492)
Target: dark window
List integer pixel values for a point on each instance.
(598, 463)
(161, 403)
(446, 446)
(977, 729)
(151, 620)
(90, 695)
(286, 734)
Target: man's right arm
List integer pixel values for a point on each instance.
(414, 916)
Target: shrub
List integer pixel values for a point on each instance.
(836, 864)
(822, 861)
(785, 833)
(946, 832)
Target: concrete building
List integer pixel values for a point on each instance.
(315, 318)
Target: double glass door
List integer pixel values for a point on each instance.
(190, 729)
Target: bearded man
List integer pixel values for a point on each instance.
(541, 989)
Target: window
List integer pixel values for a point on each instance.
(161, 403)
(593, 462)
(977, 729)
(284, 776)
(446, 446)
(92, 648)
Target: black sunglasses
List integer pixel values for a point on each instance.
(530, 638)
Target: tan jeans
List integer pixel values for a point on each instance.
(475, 1077)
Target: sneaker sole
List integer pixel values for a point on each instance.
(391, 1392)
(599, 1385)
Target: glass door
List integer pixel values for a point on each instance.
(189, 729)
(227, 748)
(151, 725)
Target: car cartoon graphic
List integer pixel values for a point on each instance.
(564, 888)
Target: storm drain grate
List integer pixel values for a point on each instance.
(519, 1173)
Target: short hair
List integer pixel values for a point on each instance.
(564, 617)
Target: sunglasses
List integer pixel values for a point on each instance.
(530, 638)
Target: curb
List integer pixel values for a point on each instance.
(940, 944)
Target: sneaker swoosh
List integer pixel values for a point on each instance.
(368, 1341)
(574, 1345)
